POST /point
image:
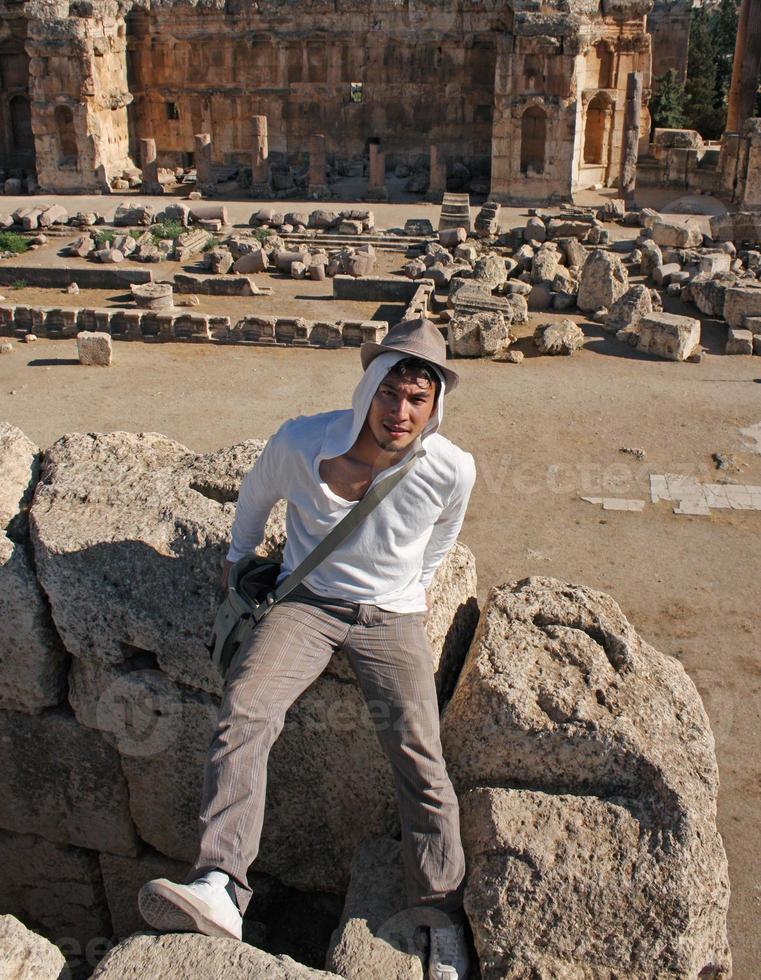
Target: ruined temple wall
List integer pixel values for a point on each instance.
(79, 95)
(427, 74)
(668, 24)
(573, 72)
(16, 138)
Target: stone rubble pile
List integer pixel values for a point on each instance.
(107, 599)
(108, 697)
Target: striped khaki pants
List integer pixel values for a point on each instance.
(390, 656)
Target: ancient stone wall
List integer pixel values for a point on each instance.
(668, 25)
(560, 94)
(79, 96)
(426, 72)
(16, 137)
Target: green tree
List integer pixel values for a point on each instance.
(700, 90)
(724, 30)
(667, 105)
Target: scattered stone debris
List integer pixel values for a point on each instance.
(727, 461)
(6, 348)
(631, 451)
(508, 356)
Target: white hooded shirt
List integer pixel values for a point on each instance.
(390, 558)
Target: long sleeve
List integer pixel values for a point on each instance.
(260, 490)
(447, 527)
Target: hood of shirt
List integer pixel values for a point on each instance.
(342, 432)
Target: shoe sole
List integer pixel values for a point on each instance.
(167, 909)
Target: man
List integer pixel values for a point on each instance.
(369, 598)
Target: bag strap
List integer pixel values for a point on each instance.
(340, 532)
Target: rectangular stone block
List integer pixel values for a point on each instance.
(741, 302)
(669, 335)
(739, 341)
(222, 285)
(94, 348)
(63, 782)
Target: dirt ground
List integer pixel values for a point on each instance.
(543, 433)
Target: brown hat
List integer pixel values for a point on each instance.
(418, 338)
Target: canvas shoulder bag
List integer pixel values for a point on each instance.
(251, 591)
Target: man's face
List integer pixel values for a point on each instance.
(399, 411)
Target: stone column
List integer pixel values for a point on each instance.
(204, 174)
(630, 143)
(318, 181)
(437, 183)
(150, 168)
(746, 66)
(377, 168)
(260, 169)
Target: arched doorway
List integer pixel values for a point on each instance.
(68, 155)
(22, 138)
(596, 130)
(533, 140)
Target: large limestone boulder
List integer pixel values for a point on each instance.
(709, 293)
(559, 693)
(629, 309)
(478, 334)
(57, 890)
(129, 535)
(669, 335)
(676, 234)
(359, 947)
(187, 956)
(570, 886)
(26, 956)
(63, 782)
(563, 337)
(32, 660)
(741, 302)
(603, 280)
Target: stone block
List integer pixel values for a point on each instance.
(677, 234)
(56, 214)
(451, 237)
(563, 337)
(669, 335)
(128, 215)
(63, 782)
(59, 892)
(172, 956)
(741, 302)
(350, 227)
(222, 285)
(478, 334)
(219, 261)
(153, 296)
(709, 294)
(711, 263)
(739, 341)
(545, 263)
(603, 280)
(27, 956)
(110, 256)
(560, 693)
(663, 274)
(94, 348)
(255, 261)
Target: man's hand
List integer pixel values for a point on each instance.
(428, 606)
(226, 574)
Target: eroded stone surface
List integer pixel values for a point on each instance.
(55, 889)
(26, 956)
(603, 280)
(560, 693)
(176, 956)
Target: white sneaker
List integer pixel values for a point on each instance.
(448, 959)
(202, 906)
